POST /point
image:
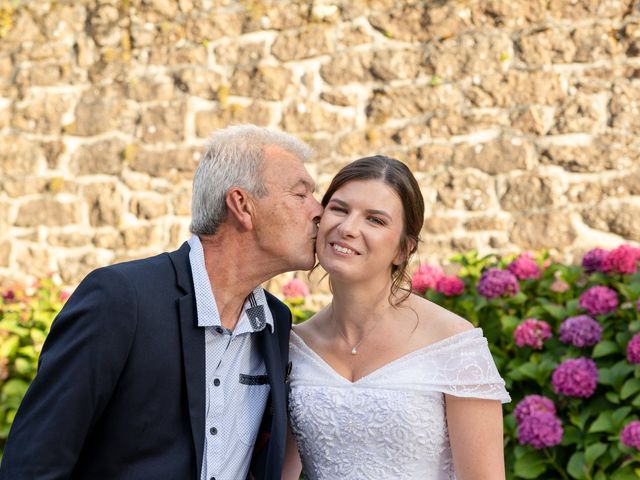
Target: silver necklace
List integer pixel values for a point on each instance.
(354, 348)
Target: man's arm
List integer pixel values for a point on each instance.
(79, 367)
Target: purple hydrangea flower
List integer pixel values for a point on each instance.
(426, 277)
(630, 435)
(451, 286)
(580, 331)
(524, 267)
(531, 404)
(575, 377)
(599, 300)
(592, 260)
(623, 259)
(540, 429)
(633, 349)
(532, 332)
(495, 283)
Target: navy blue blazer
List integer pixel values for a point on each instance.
(120, 389)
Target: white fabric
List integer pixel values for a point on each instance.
(391, 423)
(233, 409)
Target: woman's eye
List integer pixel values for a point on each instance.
(333, 208)
(376, 220)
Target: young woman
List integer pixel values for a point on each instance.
(384, 383)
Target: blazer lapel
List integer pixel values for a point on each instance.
(193, 356)
(269, 349)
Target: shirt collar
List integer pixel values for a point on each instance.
(255, 311)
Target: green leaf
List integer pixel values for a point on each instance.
(577, 467)
(630, 387)
(593, 451)
(620, 415)
(604, 348)
(528, 370)
(625, 473)
(613, 397)
(530, 465)
(518, 299)
(556, 311)
(603, 423)
(509, 323)
(15, 388)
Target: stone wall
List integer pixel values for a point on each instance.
(519, 117)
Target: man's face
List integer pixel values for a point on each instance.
(286, 220)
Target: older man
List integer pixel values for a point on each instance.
(174, 367)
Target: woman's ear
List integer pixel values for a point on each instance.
(404, 253)
(240, 208)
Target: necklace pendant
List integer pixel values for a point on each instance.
(354, 351)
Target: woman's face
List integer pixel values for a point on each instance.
(360, 231)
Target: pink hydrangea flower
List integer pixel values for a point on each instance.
(575, 377)
(599, 300)
(540, 430)
(630, 435)
(524, 267)
(532, 332)
(450, 285)
(426, 277)
(592, 260)
(580, 331)
(531, 404)
(623, 259)
(65, 293)
(559, 286)
(633, 349)
(495, 283)
(295, 288)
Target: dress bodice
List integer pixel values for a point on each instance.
(390, 423)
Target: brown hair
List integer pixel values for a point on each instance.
(396, 175)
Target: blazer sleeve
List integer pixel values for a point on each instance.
(81, 361)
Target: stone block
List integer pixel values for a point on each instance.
(543, 230)
(348, 67)
(440, 225)
(530, 191)
(625, 105)
(199, 82)
(595, 42)
(313, 117)
(517, 88)
(75, 266)
(621, 218)
(486, 222)
(263, 82)
(404, 21)
(108, 238)
(181, 54)
(52, 151)
(105, 204)
(105, 25)
(212, 25)
(409, 101)
(546, 46)
(163, 124)
(181, 202)
(101, 157)
(583, 9)
(5, 253)
(34, 259)
(276, 16)
(606, 152)
(42, 114)
(397, 64)
(24, 185)
(582, 113)
(310, 41)
(350, 35)
(242, 56)
(47, 211)
(258, 113)
(434, 157)
(98, 113)
(140, 236)
(338, 98)
(464, 190)
(150, 88)
(534, 119)
(149, 206)
(501, 155)
(469, 55)
(19, 156)
(358, 143)
(69, 239)
(164, 163)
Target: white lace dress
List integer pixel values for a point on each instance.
(391, 423)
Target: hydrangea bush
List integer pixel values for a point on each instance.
(567, 341)
(26, 315)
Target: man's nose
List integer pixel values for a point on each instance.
(317, 211)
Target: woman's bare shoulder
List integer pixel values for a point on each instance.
(435, 322)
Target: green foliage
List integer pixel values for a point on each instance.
(25, 318)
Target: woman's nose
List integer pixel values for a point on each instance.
(347, 228)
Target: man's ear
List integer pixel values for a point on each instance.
(240, 208)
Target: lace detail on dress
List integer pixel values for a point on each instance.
(391, 423)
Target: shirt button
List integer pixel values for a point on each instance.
(219, 329)
(213, 430)
(216, 382)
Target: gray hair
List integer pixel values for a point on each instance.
(234, 158)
